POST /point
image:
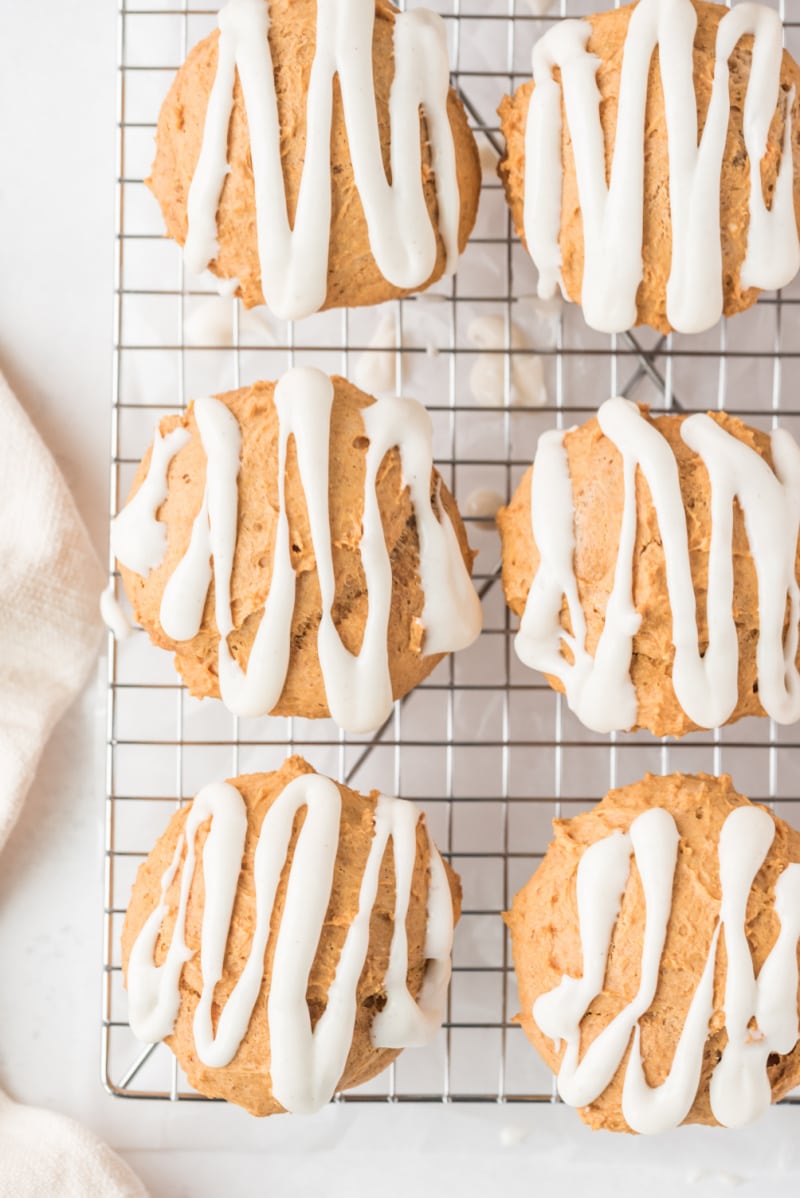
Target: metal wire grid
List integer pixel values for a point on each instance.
(484, 747)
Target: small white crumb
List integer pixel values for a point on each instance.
(512, 1134)
(482, 506)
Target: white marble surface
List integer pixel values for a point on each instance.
(56, 212)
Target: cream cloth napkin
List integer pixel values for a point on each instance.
(43, 1155)
(50, 580)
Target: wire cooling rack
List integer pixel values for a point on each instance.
(483, 746)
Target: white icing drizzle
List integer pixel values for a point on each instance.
(294, 260)
(305, 1065)
(113, 614)
(599, 689)
(358, 686)
(654, 839)
(137, 538)
(739, 1088)
(613, 213)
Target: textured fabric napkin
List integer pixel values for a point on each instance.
(50, 579)
(43, 1155)
(49, 582)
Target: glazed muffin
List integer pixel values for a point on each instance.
(271, 166)
(691, 233)
(293, 546)
(654, 564)
(656, 952)
(280, 946)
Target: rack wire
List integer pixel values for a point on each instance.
(483, 746)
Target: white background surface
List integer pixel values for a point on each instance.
(56, 217)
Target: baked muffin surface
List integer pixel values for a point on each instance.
(261, 939)
(672, 237)
(243, 127)
(315, 505)
(678, 1031)
(670, 569)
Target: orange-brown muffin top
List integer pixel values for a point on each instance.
(654, 562)
(293, 545)
(279, 935)
(273, 167)
(656, 952)
(608, 186)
